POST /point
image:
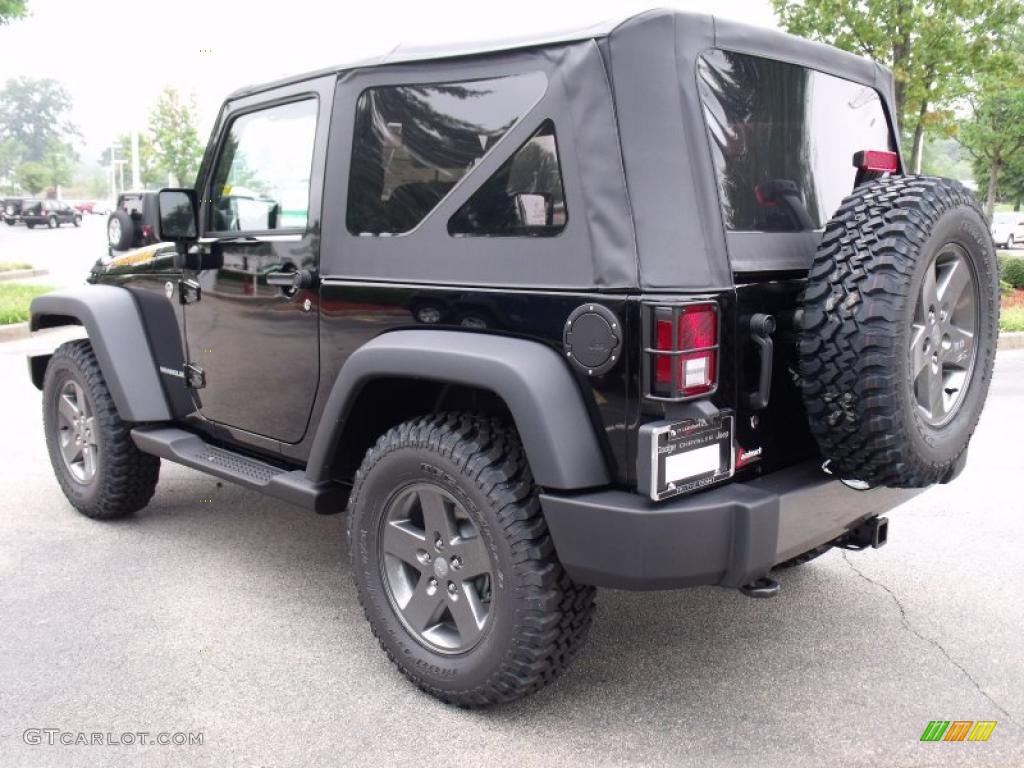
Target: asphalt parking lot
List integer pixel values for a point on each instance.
(66, 252)
(219, 611)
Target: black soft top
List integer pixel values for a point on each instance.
(652, 219)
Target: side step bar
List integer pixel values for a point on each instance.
(292, 486)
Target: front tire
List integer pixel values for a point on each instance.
(52, 222)
(100, 470)
(77, 221)
(453, 563)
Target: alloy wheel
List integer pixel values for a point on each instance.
(436, 568)
(76, 433)
(942, 340)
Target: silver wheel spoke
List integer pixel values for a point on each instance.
(437, 518)
(89, 460)
(68, 410)
(936, 404)
(472, 554)
(403, 541)
(929, 289)
(468, 613)
(919, 358)
(954, 283)
(69, 449)
(424, 607)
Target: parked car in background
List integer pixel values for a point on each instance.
(1008, 228)
(85, 206)
(101, 208)
(11, 209)
(133, 222)
(52, 213)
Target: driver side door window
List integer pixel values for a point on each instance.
(262, 178)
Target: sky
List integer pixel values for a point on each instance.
(114, 56)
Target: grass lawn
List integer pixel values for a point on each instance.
(11, 266)
(14, 301)
(1011, 318)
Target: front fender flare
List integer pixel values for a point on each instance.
(118, 337)
(533, 380)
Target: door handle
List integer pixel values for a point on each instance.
(293, 280)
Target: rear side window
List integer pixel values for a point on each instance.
(783, 139)
(524, 197)
(413, 143)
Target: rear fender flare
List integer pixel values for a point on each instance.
(545, 401)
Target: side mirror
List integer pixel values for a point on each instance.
(177, 213)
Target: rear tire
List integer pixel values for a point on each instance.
(528, 616)
(898, 331)
(30, 224)
(100, 470)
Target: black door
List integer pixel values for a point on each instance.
(254, 330)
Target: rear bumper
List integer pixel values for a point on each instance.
(730, 535)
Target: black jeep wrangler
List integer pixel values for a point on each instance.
(133, 222)
(10, 209)
(646, 307)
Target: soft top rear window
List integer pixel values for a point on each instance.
(783, 138)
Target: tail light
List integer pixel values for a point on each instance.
(147, 231)
(876, 161)
(684, 356)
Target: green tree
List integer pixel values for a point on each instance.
(34, 113)
(1012, 182)
(11, 9)
(59, 162)
(31, 176)
(10, 157)
(945, 157)
(994, 135)
(175, 138)
(935, 48)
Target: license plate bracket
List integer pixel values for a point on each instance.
(682, 456)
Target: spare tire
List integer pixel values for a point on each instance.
(898, 330)
(120, 230)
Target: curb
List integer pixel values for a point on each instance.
(14, 331)
(1011, 340)
(21, 274)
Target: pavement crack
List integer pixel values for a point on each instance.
(934, 643)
